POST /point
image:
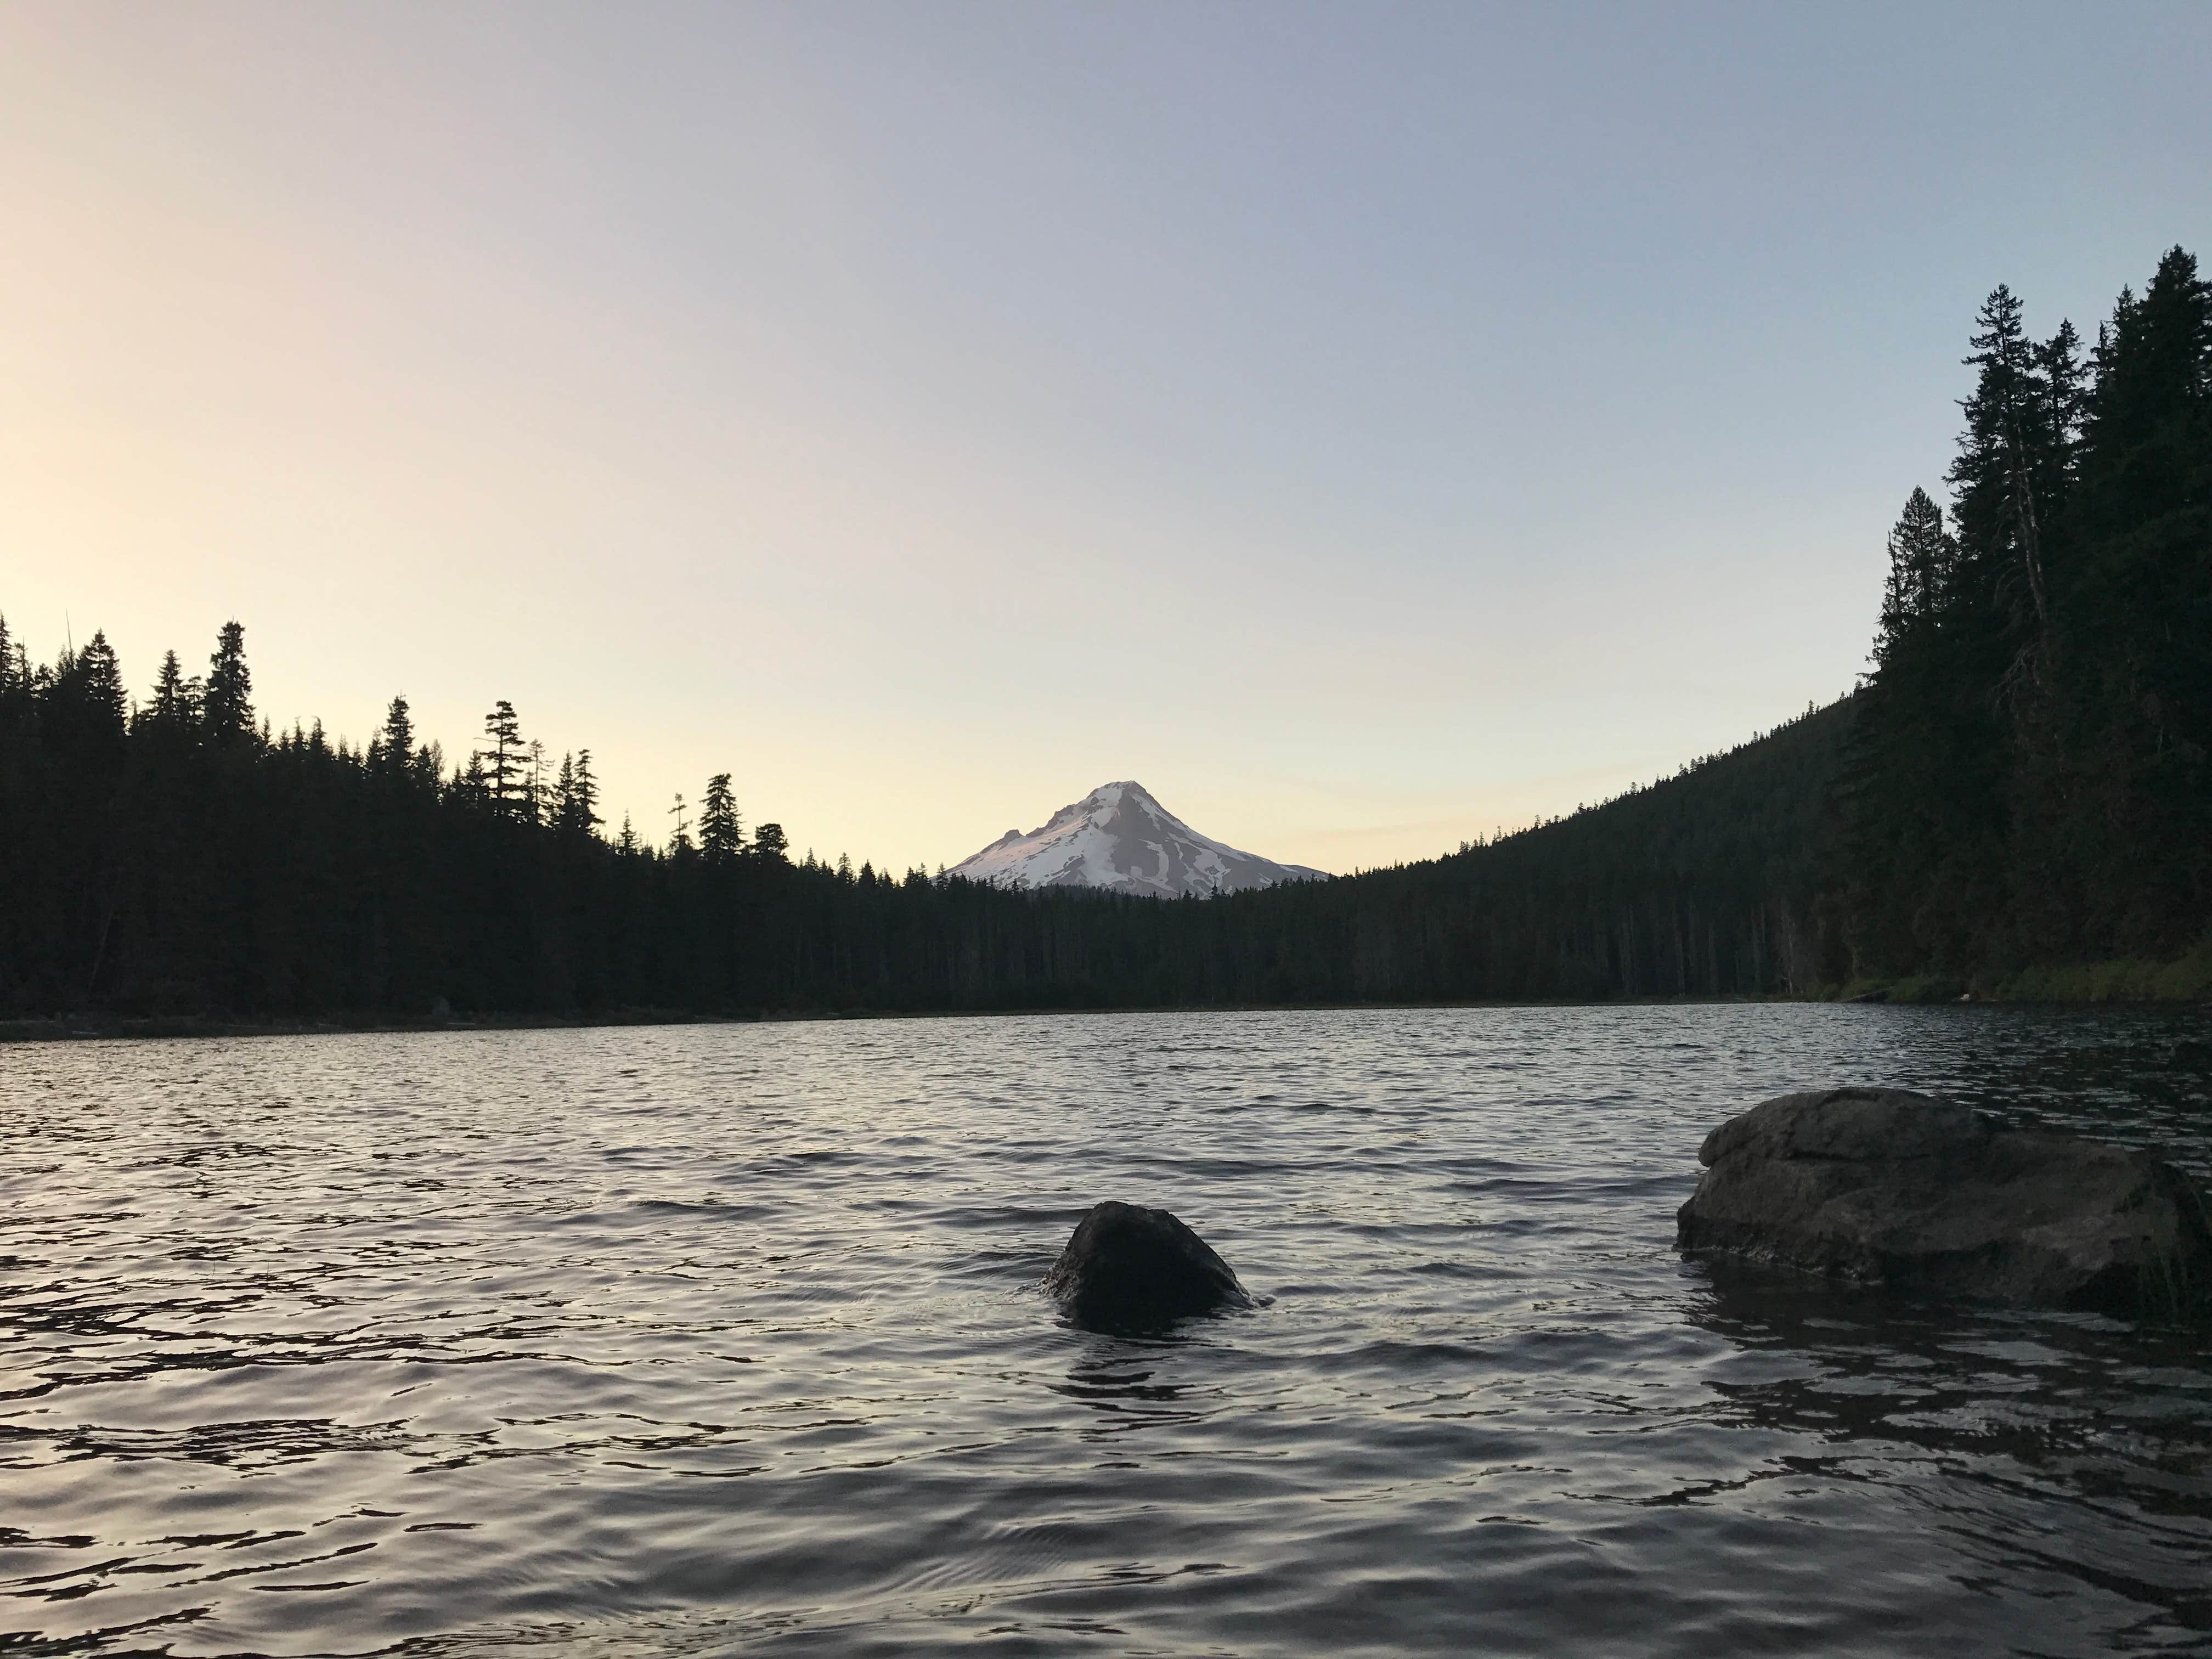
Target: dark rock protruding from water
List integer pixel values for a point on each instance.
(1882, 1187)
(1127, 1268)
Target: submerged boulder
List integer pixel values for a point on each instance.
(1882, 1187)
(1127, 1268)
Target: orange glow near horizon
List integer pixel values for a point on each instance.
(927, 419)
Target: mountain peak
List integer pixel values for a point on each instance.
(1119, 837)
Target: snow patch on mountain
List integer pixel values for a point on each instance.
(1120, 838)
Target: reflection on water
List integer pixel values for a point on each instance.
(2091, 1440)
(710, 1339)
(1127, 1390)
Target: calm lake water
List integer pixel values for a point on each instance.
(704, 1339)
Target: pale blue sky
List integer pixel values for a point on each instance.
(1365, 425)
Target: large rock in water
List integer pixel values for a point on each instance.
(1127, 1268)
(1883, 1187)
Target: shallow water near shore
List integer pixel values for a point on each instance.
(719, 1339)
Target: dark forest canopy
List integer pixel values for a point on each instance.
(2022, 781)
(2028, 779)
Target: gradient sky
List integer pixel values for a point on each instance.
(1366, 426)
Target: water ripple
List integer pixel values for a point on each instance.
(709, 1339)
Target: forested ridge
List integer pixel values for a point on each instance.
(2021, 783)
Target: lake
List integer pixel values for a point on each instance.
(715, 1339)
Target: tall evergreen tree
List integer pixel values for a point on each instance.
(85, 705)
(721, 835)
(535, 787)
(505, 784)
(2007, 456)
(2064, 377)
(1923, 780)
(2139, 614)
(176, 705)
(102, 675)
(227, 705)
(1922, 557)
(587, 794)
(393, 748)
(564, 796)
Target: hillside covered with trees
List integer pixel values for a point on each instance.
(178, 858)
(2030, 781)
(2023, 783)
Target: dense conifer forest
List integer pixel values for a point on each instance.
(2021, 784)
(2027, 782)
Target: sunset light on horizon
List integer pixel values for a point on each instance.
(1368, 430)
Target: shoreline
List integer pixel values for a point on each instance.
(110, 1028)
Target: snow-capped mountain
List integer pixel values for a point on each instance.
(1118, 837)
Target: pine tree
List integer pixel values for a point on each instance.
(94, 681)
(504, 782)
(1922, 785)
(2064, 380)
(2139, 619)
(769, 844)
(575, 795)
(227, 705)
(1923, 558)
(2007, 456)
(534, 802)
(175, 710)
(587, 794)
(564, 796)
(722, 834)
(394, 746)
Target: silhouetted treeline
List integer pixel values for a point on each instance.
(2022, 781)
(175, 857)
(2029, 783)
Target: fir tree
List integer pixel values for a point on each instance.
(564, 796)
(2006, 456)
(393, 748)
(721, 835)
(227, 705)
(504, 783)
(534, 793)
(90, 689)
(176, 707)
(2064, 381)
(587, 796)
(2139, 615)
(1921, 557)
(1923, 784)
